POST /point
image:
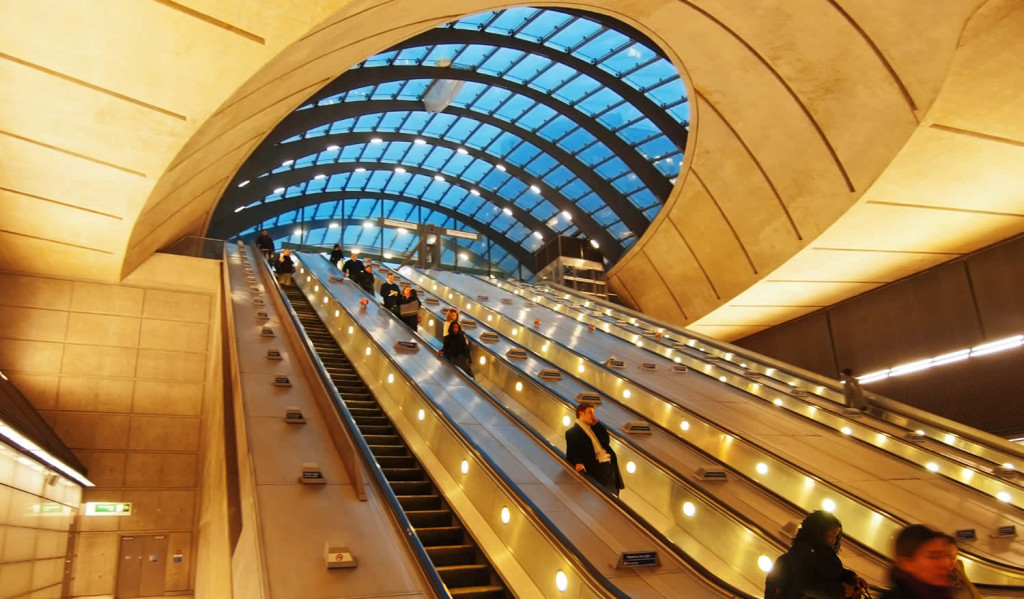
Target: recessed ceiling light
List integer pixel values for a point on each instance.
(438, 178)
(279, 190)
(462, 151)
(376, 140)
(534, 189)
(288, 163)
(475, 192)
(419, 142)
(243, 183)
(500, 167)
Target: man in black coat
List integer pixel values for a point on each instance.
(266, 244)
(390, 293)
(336, 255)
(587, 449)
(354, 269)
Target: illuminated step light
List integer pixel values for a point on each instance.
(689, 509)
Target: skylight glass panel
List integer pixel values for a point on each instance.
(483, 135)
(462, 129)
(476, 171)
(543, 25)
(643, 198)
(613, 168)
(601, 45)
(380, 59)
(500, 61)
(377, 181)
(553, 77)
(537, 116)
(627, 183)
(504, 143)
(624, 114)
(599, 101)
(518, 232)
(639, 132)
(628, 58)
(410, 56)
(571, 37)
(511, 19)
(529, 67)
(439, 124)
(316, 186)
(442, 52)
(595, 153)
(372, 152)
(490, 100)
(576, 140)
(390, 121)
(474, 21)
(668, 92)
(514, 108)
(394, 151)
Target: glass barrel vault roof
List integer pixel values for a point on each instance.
(561, 123)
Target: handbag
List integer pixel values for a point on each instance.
(409, 309)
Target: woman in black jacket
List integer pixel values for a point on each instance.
(813, 568)
(409, 308)
(456, 348)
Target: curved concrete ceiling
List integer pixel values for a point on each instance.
(822, 151)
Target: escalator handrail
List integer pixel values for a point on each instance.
(419, 551)
(546, 526)
(960, 429)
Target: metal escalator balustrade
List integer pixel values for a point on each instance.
(539, 553)
(871, 526)
(456, 557)
(792, 397)
(939, 430)
(725, 542)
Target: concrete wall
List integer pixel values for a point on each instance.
(124, 373)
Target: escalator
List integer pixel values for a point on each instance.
(456, 557)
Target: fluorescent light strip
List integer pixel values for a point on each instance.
(40, 454)
(963, 354)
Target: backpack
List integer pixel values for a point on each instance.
(776, 581)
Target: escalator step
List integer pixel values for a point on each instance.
(465, 575)
(412, 487)
(360, 412)
(449, 555)
(376, 429)
(419, 503)
(436, 518)
(404, 461)
(389, 450)
(441, 535)
(403, 474)
(384, 440)
(481, 592)
(378, 420)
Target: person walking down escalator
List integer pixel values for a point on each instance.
(266, 245)
(336, 255)
(284, 266)
(409, 308)
(366, 282)
(452, 315)
(354, 268)
(811, 569)
(852, 391)
(456, 349)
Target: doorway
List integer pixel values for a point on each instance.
(141, 566)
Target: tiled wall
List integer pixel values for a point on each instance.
(121, 372)
(35, 517)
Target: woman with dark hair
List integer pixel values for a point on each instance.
(927, 567)
(812, 565)
(409, 308)
(456, 348)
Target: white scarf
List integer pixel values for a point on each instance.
(602, 455)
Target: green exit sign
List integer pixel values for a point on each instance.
(100, 508)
